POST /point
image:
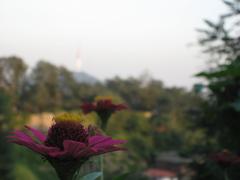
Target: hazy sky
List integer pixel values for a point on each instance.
(124, 37)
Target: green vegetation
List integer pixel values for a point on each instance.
(220, 111)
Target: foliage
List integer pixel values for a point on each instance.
(22, 172)
(221, 111)
(220, 114)
(5, 120)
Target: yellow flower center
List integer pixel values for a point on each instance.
(68, 117)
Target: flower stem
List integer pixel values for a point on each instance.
(226, 175)
(66, 169)
(65, 175)
(102, 166)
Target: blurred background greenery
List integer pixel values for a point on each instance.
(170, 130)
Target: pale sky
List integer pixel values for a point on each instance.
(110, 37)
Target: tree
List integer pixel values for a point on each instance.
(221, 39)
(12, 74)
(41, 89)
(140, 95)
(221, 111)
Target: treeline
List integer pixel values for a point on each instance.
(44, 88)
(47, 87)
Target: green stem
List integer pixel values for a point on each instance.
(226, 175)
(65, 177)
(102, 166)
(76, 175)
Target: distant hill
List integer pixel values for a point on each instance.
(82, 77)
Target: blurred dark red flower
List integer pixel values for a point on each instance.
(225, 158)
(102, 105)
(104, 108)
(67, 145)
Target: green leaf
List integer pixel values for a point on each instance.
(92, 176)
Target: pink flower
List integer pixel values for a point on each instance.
(104, 108)
(225, 158)
(102, 105)
(67, 145)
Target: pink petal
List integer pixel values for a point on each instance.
(23, 139)
(88, 107)
(71, 148)
(29, 144)
(110, 149)
(102, 141)
(109, 142)
(120, 107)
(21, 136)
(47, 150)
(40, 136)
(87, 152)
(94, 140)
(103, 144)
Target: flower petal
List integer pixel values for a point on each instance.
(103, 144)
(21, 136)
(109, 142)
(40, 136)
(46, 150)
(71, 149)
(94, 140)
(23, 139)
(120, 107)
(88, 107)
(109, 149)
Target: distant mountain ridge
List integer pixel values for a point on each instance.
(83, 77)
